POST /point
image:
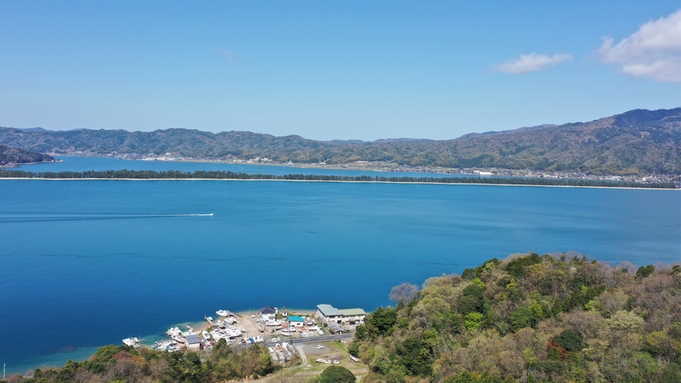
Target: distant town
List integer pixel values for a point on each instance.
(382, 166)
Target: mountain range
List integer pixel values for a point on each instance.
(637, 141)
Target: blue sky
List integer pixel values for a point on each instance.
(334, 70)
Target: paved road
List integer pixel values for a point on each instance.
(317, 339)
(292, 341)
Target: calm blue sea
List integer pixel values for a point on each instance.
(87, 263)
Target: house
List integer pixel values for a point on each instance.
(328, 314)
(296, 320)
(193, 342)
(268, 313)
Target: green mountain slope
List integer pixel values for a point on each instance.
(632, 142)
(11, 156)
(530, 319)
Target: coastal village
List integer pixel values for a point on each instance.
(277, 329)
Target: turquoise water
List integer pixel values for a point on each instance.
(87, 263)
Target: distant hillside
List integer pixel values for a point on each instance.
(10, 156)
(632, 142)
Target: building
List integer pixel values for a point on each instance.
(268, 313)
(296, 320)
(353, 316)
(193, 342)
(328, 314)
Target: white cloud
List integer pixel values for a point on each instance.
(654, 51)
(531, 63)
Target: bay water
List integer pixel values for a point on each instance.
(88, 263)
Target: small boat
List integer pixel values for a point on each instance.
(132, 342)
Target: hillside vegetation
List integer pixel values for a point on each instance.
(630, 143)
(124, 364)
(530, 319)
(10, 156)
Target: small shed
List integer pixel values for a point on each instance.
(193, 342)
(335, 327)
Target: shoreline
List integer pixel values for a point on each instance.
(334, 181)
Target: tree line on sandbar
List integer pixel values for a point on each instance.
(228, 175)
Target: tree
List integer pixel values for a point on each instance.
(337, 374)
(644, 271)
(522, 317)
(382, 320)
(569, 340)
(403, 293)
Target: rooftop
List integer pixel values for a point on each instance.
(352, 312)
(328, 310)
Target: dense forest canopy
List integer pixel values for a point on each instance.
(638, 141)
(530, 319)
(14, 156)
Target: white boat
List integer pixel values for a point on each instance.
(132, 342)
(273, 323)
(224, 313)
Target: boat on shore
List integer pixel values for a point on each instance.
(132, 342)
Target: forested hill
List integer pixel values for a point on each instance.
(10, 156)
(638, 141)
(530, 319)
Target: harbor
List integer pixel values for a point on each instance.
(277, 329)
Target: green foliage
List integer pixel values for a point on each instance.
(521, 318)
(186, 367)
(472, 320)
(381, 321)
(473, 299)
(470, 274)
(644, 271)
(569, 340)
(524, 320)
(353, 349)
(671, 374)
(336, 374)
(106, 353)
(416, 355)
(516, 268)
